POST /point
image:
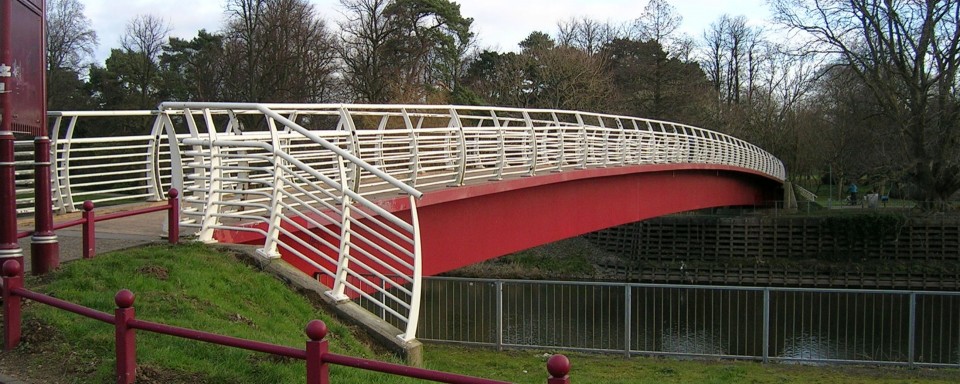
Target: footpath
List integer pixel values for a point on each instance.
(111, 235)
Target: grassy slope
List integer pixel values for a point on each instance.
(196, 287)
(189, 286)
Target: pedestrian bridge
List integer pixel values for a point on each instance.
(370, 198)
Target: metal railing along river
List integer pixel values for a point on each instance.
(306, 177)
(770, 324)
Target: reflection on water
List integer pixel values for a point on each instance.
(803, 325)
(695, 342)
(810, 347)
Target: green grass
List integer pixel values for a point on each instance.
(529, 367)
(566, 264)
(200, 288)
(189, 286)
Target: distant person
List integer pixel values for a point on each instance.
(873, 199)
(852, 190)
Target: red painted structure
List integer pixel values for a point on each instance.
(470, 224)
(22, 49)
(23, 109)
(316, 354)
(44, 246)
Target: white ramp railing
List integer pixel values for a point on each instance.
(306, 176)
(297, 185)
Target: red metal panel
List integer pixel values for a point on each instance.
(467, 231)
(24, 107)
(468, 225)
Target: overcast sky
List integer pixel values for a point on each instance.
(500, 24)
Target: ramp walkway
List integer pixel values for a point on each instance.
(111, 235)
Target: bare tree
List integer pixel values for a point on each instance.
(732, 57)
(365, 35)
(908, 54)
(70, 45)
(278, 50)
(404, 50)
(145, 34)
(70, 38)
(586, 34)
(658, 22)
(243, 47)
(568, 78)
(143, 42)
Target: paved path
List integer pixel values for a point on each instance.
(111, 235)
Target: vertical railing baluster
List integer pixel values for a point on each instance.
(911, 338)
(627, 318)
(499, 290)
(766, 325)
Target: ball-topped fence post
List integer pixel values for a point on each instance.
(318, 372)
(126, 341)
(559, 368)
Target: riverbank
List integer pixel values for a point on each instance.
(865, 249)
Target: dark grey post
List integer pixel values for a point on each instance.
(766, 325)
(627, 314)
(499, 315)
(911, 344)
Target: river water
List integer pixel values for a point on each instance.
(801, 325)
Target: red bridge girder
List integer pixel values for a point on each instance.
(471, 224)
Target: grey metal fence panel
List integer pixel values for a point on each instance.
(697, 321)
(461, 311)
(580, 316)
(937, 331)
(780, 324)
(864, 326)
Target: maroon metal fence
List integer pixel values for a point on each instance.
(89, 220)
(317, 355)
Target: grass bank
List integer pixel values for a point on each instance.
(201, 288)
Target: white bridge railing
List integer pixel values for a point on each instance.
(306, 176)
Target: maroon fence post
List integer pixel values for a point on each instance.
(173, 216)
(12, 279)
(89, 230)
(318, 372)
(126, 342)
(558, 366)
(44, 247)
(9, 246)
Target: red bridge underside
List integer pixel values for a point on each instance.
(470, 224)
